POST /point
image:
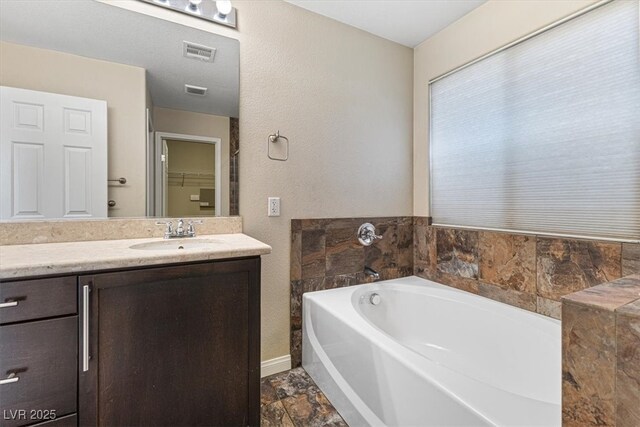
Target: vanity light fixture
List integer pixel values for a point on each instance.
(220, 12)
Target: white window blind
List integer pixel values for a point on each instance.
(544, 136)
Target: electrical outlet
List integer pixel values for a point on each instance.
(273, 206)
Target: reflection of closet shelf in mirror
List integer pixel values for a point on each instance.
(191, 179)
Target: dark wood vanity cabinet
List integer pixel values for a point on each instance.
(176, 345)
(38, 350)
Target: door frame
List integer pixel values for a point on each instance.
(160, 209)
(151, 165)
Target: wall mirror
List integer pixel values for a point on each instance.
(107, 112)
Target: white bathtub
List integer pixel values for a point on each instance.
(431, 355)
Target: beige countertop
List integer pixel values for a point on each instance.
(76, 257)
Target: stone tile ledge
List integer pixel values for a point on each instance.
(609, 296)
(81, 230)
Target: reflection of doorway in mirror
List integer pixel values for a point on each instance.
(190, 179)
(189, 175)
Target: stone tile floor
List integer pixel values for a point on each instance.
(291, 398)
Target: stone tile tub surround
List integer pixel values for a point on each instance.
(601, 342)
(78, 230)
(601, 355)
(528, 271)
(326, 254)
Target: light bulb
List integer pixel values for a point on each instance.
(224, 7)
(193, 4)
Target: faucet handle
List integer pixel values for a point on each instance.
(367, 234)
(374, 236)
(169, 230)
(191, 230)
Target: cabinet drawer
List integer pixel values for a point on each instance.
(43, 356)
(37, 299)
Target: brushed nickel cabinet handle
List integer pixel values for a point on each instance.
(12, 378)
(85, 327)
(8, 304)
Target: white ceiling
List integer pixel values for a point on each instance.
(97, 30)
(408, 22)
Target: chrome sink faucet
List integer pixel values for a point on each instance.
(170, 233)
(180, 228)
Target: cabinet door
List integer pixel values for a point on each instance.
(172, 346)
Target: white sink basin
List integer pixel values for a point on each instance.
(178, 244)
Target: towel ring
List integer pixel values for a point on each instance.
(275, 137)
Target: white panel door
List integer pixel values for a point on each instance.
(53, 155)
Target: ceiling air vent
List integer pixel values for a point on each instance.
(198, 51)
(195, 90)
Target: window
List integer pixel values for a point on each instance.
(544, 136)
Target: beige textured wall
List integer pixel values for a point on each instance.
(490, 26)
(189, 157)
(198, 124)
(124, 89)
(343, 97)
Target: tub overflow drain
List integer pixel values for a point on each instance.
(375, 299)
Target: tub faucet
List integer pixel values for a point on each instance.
(368, 271)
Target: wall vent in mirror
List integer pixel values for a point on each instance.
(197, 51)
(195, 90)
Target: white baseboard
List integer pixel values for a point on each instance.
(273, 366)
